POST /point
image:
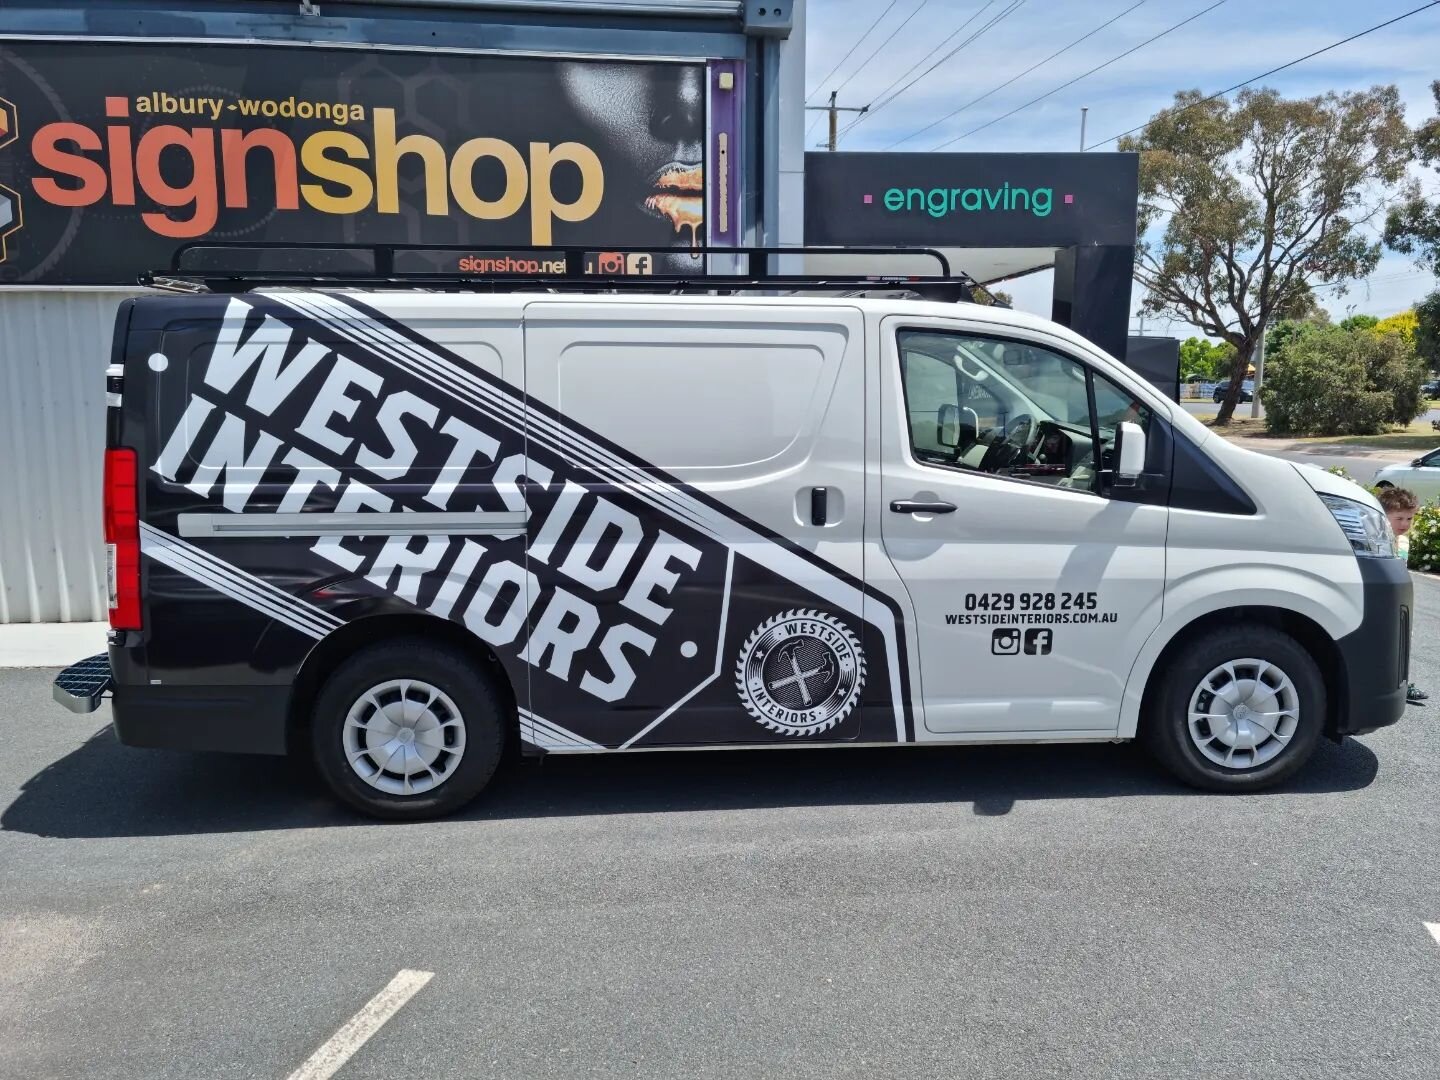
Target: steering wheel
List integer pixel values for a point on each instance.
(1017, 432)
(1011, 448)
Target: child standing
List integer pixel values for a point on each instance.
(1400, 506)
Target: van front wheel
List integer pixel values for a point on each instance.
(407, 730)
(1238, 710)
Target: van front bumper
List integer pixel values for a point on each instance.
(1375, 657)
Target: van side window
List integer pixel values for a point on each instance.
(1009, 408)
(1114, 406)
(931, 388)
(684, 405)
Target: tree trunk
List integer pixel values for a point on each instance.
(1239, 372)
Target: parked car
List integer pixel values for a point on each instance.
(1431, 389)
(1247, 391)
(1422, 476)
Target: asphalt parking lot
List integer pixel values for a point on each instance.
(993, 912)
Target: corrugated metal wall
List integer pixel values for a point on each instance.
(54, 345)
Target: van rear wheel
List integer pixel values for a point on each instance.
(1239, 710)
(407, 730)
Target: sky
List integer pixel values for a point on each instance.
(1235, 41)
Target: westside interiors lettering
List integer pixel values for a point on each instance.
(430, 459)
(594, 576)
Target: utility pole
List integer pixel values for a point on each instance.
(1083, 110)
(834, 111)
(1259, 373)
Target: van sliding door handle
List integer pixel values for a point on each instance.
(911, 506)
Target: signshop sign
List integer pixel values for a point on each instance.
(114, 154)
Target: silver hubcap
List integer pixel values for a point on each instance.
(404, 737)
(1244, 713)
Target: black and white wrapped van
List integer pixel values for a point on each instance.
(397, 529)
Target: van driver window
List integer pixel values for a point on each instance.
(1009, 408)
(1114, 406)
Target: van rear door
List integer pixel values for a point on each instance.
(696, 502)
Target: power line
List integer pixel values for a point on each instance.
(1282, 67)
(995, 20)
(882, 45)
(1086, 75)
(1371, 280)
(1014, 78)
(1001, 17)
(834, 110)
(868, 31)
(943, 42)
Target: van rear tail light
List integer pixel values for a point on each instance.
(122, 537)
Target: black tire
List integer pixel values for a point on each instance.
(1217, 397)
(1384, 484)
(1166, 731)
(483, 717)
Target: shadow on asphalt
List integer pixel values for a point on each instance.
(104, 789)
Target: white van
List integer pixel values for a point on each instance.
(395, 529)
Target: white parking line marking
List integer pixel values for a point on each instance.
(341, 1046)
(1434, 928)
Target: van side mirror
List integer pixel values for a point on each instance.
(947, 426)
(1129, 454)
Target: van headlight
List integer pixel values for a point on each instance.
(1367, 528)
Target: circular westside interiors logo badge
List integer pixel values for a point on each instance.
(800, 672)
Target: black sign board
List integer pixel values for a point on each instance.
(971, 200)
(114, 154)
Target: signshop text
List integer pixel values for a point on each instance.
(332, 171)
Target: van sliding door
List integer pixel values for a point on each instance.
(696, 494)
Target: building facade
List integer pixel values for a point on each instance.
(132, 131)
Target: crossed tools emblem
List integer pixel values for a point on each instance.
(798, 678)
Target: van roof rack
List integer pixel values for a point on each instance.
(241, 266)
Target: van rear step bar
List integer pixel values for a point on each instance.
(82, 685)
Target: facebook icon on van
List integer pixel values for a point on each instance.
(1038, 642)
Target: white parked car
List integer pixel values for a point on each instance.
(1422, 476)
